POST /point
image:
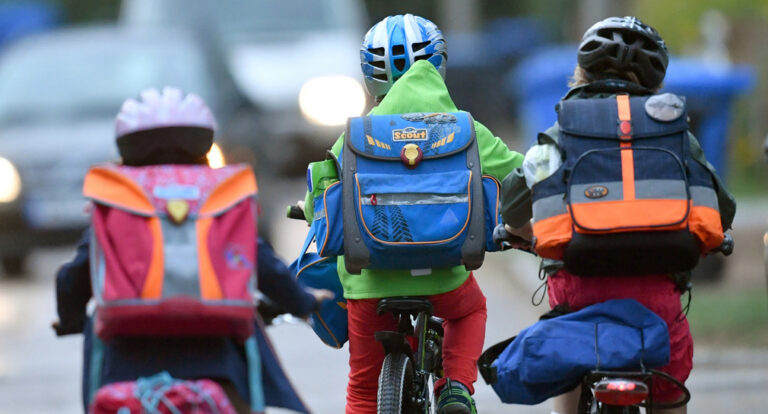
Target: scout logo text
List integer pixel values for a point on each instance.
(409, 134)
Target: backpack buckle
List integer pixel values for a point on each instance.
(177, 210)
(411, 155)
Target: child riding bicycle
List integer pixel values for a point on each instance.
(619, 59)
(174, 130)
(403, 59)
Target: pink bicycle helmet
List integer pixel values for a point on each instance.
(167, 127)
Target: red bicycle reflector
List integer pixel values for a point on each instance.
(621, 392)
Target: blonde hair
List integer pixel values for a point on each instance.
(581, 77)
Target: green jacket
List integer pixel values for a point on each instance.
(516, 197)
(422, 89)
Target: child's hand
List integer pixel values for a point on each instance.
(524, 232)
(321, 295)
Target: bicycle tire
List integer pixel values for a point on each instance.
(395, 386)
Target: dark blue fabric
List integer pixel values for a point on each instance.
(330, 321)
(491, 189)
(587, 118)
(330, 226)
(452, 182)
(222, 358)
(551, 356)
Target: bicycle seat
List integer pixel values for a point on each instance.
(404, 305)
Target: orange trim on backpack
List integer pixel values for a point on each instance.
(552, 234)
(627, 156)
(230, 191)
(210, 288)
(106, 185)
(705, 224)
(622, 215)
(153, 283)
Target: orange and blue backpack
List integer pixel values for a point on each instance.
(173, 249)
(629, 198)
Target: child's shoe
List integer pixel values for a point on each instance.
(455, 399)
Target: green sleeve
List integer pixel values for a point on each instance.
(725, 200)
(495, 158)
(309, 210)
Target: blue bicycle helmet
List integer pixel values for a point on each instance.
(393, 44)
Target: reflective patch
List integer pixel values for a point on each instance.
(549, 207)
(411, 199)
(430, 118)
(665, 107)
(184, 192)
(704, 196)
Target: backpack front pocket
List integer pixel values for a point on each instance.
(409, 209)
(650, 193)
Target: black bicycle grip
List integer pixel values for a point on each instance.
(295, 212)
(726, 247)
(502, 236)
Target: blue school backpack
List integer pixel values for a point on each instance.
(412, 193)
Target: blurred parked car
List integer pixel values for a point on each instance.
(296, 60)
(59, 93)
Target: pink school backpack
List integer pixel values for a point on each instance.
(161, 394)
(173, 249)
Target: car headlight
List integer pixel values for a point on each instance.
(330, 100)
(10, 182)
(215, 157)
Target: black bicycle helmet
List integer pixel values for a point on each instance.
(625, 44)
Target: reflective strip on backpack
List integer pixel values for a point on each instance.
(704, 197)
(644, 189)
(411, 199)
(547, 207)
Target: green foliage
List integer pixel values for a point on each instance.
(732, 317)
(678, 21)
(77, 11)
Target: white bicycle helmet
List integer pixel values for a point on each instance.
(168, 122)
(392, 45)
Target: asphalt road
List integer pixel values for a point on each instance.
(40, 373)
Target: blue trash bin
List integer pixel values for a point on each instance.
(541, 80)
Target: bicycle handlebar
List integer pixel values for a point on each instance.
(726, 247)
(507, 239)
(295, 212)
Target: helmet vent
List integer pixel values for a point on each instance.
(381, 77)
(400, 64)
(418, 46)
(398, 50)
(657, 64)
(590, 46)
(378, 63)
(422, 57)
(378, 51)
(605, 33)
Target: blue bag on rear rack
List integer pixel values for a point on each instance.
(552, 356)
(414, 196)
(330, 322)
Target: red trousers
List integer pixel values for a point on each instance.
(465, 314)
(657, 293)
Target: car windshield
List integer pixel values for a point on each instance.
(91, 79)
(242, 19)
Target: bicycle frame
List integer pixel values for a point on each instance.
(426, 359)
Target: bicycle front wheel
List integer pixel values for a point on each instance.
(396, 386)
